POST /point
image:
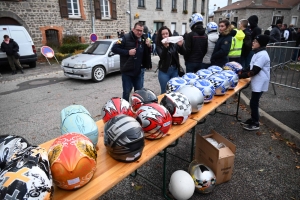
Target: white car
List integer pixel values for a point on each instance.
(94, 63)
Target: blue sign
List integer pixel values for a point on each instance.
(47, 51)
(93, 37)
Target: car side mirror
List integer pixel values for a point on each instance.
(110, 54)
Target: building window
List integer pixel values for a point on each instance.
(157, 25)
(194, 6)
(158, 4)
(235, 19)
(184, 5)
(220, 19)
(183, 29)
(275, 18)
(294, 20)
(105, 9)
(174, 6)
(141, 3)
(73, 9)
(203, 6)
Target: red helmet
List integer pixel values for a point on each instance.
(155, 120)
(114, 107)
(142, 96)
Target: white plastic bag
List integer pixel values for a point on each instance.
(173, 39)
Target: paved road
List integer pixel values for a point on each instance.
(265, 163)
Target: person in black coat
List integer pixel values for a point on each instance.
(169, 64)
(11, 48)
(219, 56)
(134, 50)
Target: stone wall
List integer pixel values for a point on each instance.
(39, 15)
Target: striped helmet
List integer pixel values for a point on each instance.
(124, 138)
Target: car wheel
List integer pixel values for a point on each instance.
(32, 64)
(98, 73)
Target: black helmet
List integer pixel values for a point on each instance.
(124, 138)
(142, 96)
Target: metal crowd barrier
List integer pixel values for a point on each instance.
(284, 56)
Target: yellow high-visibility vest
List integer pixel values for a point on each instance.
(236, 44)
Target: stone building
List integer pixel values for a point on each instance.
(268, 11)
(48, 21)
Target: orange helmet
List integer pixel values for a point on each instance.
(72, 160)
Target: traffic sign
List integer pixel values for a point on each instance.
(47, 51)
(93, 37)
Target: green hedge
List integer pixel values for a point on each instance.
(70, 48)
(70, 39)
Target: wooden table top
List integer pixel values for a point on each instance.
(109, 171)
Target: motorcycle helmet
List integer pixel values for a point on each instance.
(68, 155)
(142, 96)
(232, 77)
(190, 78)
(204, 73)
(76, 118)
(124, 138)
(195, 18)
(155, 120)
(9, 146)
(220, 83)
(203, 177)
(215, 69)
(27, 176)
(175, 84)
(114, 107)
(178, 105)
(181, 185)
(194, 95)
(211, 26)
(234, 66)
(207, 89)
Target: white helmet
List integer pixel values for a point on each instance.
(195, 18)
(234, 66)
(207, 89)
(194, 95)
(203, 177)
(211, 26)
(215, 69)
(181, 185)
(175, 84)
(178, 105)
(190, 78)
(232, 77)
(220, 83)
(204, 73)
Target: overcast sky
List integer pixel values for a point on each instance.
(219, 3)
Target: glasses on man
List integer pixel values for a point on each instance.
(139, 30)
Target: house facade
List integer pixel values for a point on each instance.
(49, 21)
(268, 12)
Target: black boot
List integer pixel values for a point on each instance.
(14, 72)
(22, 71)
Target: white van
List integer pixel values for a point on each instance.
(26, 47)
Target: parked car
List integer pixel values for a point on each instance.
(26, 46)
(94, 63)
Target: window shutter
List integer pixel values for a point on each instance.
(63, 8)
(97, 9)
(113, 9)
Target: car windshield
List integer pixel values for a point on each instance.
(98, 48)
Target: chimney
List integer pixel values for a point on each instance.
(229, 2)
(259, 2)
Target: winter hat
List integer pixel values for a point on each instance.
(263, 40)
(253, 20)
(279, 21)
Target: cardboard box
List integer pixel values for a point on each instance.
(221, 161)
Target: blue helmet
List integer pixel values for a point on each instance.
(211, 26)
(195, 18)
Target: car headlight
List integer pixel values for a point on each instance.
(62, 63)
(80, 66)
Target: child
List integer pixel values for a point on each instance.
(260, 77)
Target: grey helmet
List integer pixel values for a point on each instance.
(194, 95)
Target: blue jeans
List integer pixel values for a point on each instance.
(143, 74)
(192, 67)
(131, 81)
(254, 105)
(154, 49)
(163, 77)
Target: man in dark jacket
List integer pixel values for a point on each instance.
(11, 48)
(275, 32)
(247, 43)
(134, 50)
(195, 44)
